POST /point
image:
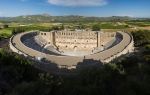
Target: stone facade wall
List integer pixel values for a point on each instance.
(76, 40)
(83, 40)
(46, 36)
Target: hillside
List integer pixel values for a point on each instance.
(70, 18)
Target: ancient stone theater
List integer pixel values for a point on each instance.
(77, 43)
(68, 48)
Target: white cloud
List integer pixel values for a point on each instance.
(78, 2)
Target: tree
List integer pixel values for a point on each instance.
(5, 26)
(96, 27)
(62, 27)
(55, 28)
(81, 26)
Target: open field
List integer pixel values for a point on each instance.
(104, 26)
(139, 23)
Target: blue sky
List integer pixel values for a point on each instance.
(101, 8)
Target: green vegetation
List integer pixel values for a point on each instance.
(22, 27)
(96, 27)
(5, 33)
(112, 26)
(29, 28)
(127, 76)
(142, 40)
(19, 77)
(139, 23)
(147, 47)
(141, 37)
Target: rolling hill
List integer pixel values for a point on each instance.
(70, 18)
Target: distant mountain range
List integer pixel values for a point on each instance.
(70, 18)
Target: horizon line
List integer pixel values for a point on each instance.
(80, 15)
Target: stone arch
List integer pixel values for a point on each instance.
(75, 47)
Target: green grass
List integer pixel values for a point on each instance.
(6, 33)
(147, 47)
(140, 24)
(111, 26)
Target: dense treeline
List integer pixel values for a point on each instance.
(141, 37)
(29, 28)
(40, 28)
(129, 76)
(142, 40)
(17, 75)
